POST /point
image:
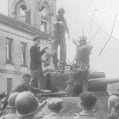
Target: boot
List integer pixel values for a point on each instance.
(62, 67)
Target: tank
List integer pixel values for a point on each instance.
(97, 84)
(57, 82)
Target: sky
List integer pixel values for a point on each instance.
(79, 14)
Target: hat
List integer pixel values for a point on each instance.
(53, 103)
(36, 38)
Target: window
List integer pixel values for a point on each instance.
(22, 10)
(9, 50)
(9, 85)
(23, 53)
(43, 11)
(43, 26)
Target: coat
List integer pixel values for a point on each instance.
(35, 58)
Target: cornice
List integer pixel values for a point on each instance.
(22, 26)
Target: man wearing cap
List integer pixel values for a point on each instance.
(36, 64)
(60, 27)
(55, 106)
(11, 109)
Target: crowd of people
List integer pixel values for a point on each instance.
(25, 104)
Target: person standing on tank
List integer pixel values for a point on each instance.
(36, 63)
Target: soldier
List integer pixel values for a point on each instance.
(81, 66)
(82, 62)
(60, 27)
(27, 105)
(11, 107)
(36, 64)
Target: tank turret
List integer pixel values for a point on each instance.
(57, 82)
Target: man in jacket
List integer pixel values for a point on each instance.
(36, 64)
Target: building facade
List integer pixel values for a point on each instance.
(26, 18)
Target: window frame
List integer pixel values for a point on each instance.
(46, 24)
(9, 54)
(23, 58)
(9, 85)
(20, 16)
(44, 13)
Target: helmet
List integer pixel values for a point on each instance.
(61, 11)
(11, 99)
(26, 104)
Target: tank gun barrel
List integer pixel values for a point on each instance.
(104, 80)
(100, 84)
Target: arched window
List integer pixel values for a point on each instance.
(22, 9)
(22, 12)
(43, 11)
